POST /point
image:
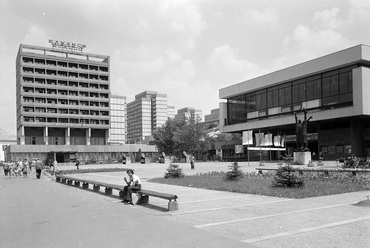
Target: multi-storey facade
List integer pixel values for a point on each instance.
(62, 97)
(332, 89)
(189, 114)
(148, 111)
(171, 112)
(118, 120)
(214, 116)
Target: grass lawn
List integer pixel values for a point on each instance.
(315, 184)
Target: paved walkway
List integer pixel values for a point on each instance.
(242, 219)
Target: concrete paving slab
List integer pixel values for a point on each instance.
(327, 221)
(42, 213)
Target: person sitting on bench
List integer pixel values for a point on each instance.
(133, 185)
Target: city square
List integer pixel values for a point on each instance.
(65, 215)
(184, 123)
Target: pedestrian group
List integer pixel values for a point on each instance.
(22, 168)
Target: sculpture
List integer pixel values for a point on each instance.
(301, 131)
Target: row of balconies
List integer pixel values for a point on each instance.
(61, 120)
(63, 83)
(62, 111)
(64, 74)
(40, 92)
(64, 64)
(79, 103)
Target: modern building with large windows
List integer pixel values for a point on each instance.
(331, 88)
(148, 111)
(118, 120)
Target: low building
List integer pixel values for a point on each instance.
(332, 89)
(5, 140)
(85, 154)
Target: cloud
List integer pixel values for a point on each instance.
(183, 16)
(225, 66)
(264, 19)
(36, 36)
(329, 18)
(359, 12)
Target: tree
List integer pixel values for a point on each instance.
(163, 136)
(190, 138)
(175, 137)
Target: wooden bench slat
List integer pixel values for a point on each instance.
(157, 194)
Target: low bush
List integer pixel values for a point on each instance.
(235, 172)
(285, 177)
(174, 171)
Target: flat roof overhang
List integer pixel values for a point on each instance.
(351, 56)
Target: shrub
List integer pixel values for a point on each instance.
(235, 173)
(174, 171)
(285, 177)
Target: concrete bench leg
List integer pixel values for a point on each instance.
(64, 180)
(121, 194)
(108, 191)
(77, 183)
(85, 185)
(143, 199)
(69, 182)
(173, 206)
(96, 188)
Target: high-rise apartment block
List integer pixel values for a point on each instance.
(118, 120)
(189, 114)
(148, 111)
(62, 97)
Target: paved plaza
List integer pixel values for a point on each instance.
(43, 213)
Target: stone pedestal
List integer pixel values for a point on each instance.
(302, 158)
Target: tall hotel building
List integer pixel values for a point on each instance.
(118, 120)
(148, 111)
(62, 97)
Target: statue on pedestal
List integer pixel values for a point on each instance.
(301, 131)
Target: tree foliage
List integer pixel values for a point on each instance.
(174, 137)
(163, 136)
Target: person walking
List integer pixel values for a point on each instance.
(191, 158)
(39, 167)
(133, 185)
(25, 168)
(77, 164)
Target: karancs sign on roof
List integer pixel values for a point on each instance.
(67, 45)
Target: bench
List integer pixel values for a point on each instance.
(143, 194)
(326, 171)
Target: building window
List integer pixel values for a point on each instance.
(332, 88)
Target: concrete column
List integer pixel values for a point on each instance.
(68, 135)
(22, 139)
(46, 136)
(357, 143)
(88, 136)
(55, 163)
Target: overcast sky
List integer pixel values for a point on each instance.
(183, 48)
